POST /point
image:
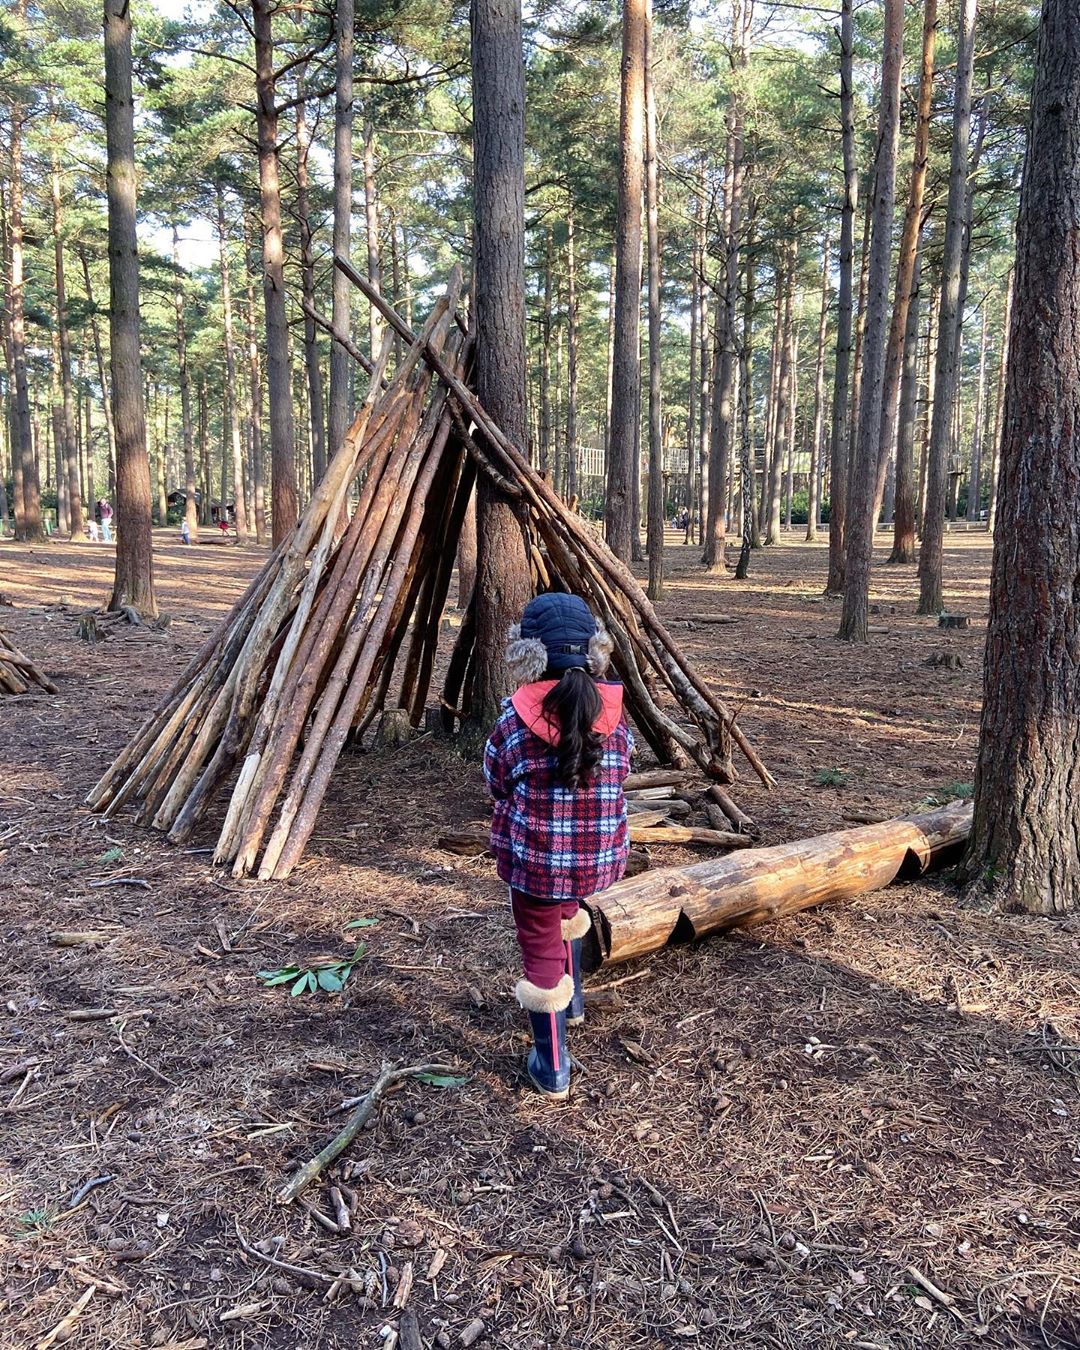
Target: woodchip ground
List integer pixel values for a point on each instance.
(857, 1127)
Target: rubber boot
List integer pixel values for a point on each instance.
(548, 1064)
(573, 930)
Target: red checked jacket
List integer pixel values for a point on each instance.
(549, 841)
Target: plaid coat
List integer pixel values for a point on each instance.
(548, 841)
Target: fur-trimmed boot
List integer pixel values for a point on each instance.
(548, 1064)
(573, 930)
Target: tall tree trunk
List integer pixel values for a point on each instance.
(307, 286)
(862, 503)
(338, 422)
(909, 247)
(1025, 838)
(793, 412)
(258, 490)
(772, 399)
(572, 361)
(931, 597)
(502, 572)
(28, 520)
(813, 500)
(995, 460)
(279, 384)
(975, 475)
(545, 364)
(839, 441)
(903, 549)
(929, 377)
(620, 523)
(371, 219)
(133, 584)
(232, 390)
(99, 357)
(704, 400)
(656, 512)
(610, 360)
(696, 289)
(746, 439)
(69, 443)
(726, 365)
(784, 404)
(205, 476)
(191, 510)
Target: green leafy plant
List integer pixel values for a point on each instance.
(441, 1080)
(831, 778)
(361, 923)
(329, 976)
(39, 1219)
(951, 792)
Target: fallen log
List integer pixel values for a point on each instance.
(685, 834)
(680, 904)
(655, 778)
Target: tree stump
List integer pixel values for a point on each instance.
(394, 728)
(954, 621)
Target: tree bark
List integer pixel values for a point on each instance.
(839, 448)
(903, 549)
(258, 489)
(975, 474)
(191, 510)
(655, 532)
(746, 440)
(502, 573)
(909, 248)
(371, 220)
(307, 286)
(931, 598)
(278, 376)
(620, 523)
(571, 361)
(29, 526)
(862, 505)
(69, 444)
(339, 419)
(133, 583)
(1025, 841)
(726, 364)
(232, 393)
(696, 266)
(784, 405)
(813, 502)
(545, 363)
(995, 462)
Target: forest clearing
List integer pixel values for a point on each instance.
(771, 1127)
(540, 674)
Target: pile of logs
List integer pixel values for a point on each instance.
(18, 674)
(305, 661)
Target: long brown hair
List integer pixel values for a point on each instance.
(574, 706)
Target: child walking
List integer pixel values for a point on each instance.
(555, 765)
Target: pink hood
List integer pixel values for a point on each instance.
(529, 700)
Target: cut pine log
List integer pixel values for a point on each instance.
(740, 821)
(680, 904)
(655, 778)
(685, 834)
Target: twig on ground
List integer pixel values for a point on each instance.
(162, 1078)
(341, 1141)
(66, 1325)
(286, 1266)
(84, 1190)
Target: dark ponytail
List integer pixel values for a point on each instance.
(574, 705)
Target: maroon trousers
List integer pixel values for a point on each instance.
(544, 954)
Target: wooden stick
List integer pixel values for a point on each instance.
(740, 821)
(315, 1167)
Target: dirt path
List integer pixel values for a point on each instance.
(768, 1130)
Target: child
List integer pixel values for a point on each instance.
(555, 764)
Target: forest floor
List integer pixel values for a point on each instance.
(777, 1137)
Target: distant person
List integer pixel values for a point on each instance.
(185, 533)
(93, 532)
(223, 526)
(106, 521)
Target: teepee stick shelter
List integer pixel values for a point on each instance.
(307, 657)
